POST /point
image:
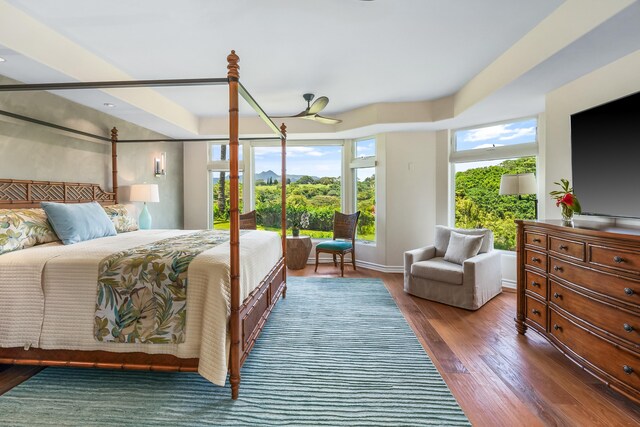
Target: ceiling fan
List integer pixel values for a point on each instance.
(311, 113)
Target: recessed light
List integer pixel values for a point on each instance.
(109, 105)
(2, 59)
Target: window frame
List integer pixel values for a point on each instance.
(494, 153)
(363, 162)
(488, 154)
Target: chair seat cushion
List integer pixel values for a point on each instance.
(334, 245)
(438, 269)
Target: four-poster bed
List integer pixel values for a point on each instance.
(247, 315)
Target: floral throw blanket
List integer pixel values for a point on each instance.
(142, 292)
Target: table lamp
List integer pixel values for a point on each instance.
(519, 184)
(144, 193)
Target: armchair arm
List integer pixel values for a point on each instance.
(484, 272)
(421, 254)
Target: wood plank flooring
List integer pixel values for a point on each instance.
(499, 378)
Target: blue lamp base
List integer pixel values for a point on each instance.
(145, 218)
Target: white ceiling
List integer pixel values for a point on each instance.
(355, 52)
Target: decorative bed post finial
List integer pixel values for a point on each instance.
(114, 134)
(283, 129)
(233, 66)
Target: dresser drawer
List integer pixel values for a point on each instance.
(536, 311)
(535, 259)
(536, 283)
(614, 320)
(568, 248)
(606, 284)
(535, 239)
(619, 363)
(620, 259)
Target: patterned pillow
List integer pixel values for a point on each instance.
(23, 228)
(121, 218)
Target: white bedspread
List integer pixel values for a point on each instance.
(48, 296)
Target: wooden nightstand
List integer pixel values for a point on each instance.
(298, 250)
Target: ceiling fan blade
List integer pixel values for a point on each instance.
(302, 114)
(326, 120)
(318, 105)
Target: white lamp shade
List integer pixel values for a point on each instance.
(144, 193)
(522, 183)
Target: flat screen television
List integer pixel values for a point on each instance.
(605, 155)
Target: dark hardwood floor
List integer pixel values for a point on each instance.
(499, 378)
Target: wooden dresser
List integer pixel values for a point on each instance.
(579, 287)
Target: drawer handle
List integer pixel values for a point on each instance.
(535, 284)
(618, 259)
(557, 327)
(563, 247)
(627, 327)
(557, 295)
(628, 291)
(627, 369)
(557, 268)
(534, 311)
(536, 240)
(535, 259)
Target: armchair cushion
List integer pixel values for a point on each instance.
(438, 269)
(334, 245)
(443, 235)
(462, 247)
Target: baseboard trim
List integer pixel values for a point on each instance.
(363, 264)
(509, 284)
(381, 268)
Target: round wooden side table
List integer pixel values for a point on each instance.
(298, 250)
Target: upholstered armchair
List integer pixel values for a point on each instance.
(445, 274)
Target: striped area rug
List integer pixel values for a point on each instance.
(335, 352)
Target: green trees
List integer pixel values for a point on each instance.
(479, 204)
(320, 197)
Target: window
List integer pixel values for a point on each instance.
(220, 198)
(364, 172)
(314, 186)
(480, 157)
(220, 186)
(496, 135)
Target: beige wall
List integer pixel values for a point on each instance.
(610, 82)
(196, 186)
(411, 190)
(31, 151)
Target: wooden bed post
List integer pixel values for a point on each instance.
(234, 359)
(114, 162)
(283, 143)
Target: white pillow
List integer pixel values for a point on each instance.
(462, 247)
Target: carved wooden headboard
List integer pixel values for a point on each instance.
(28, 194)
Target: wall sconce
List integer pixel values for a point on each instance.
(160, 165)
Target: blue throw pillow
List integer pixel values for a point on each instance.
(75, 223)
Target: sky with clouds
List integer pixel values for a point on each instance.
(316, 161)
(319, 161)
(496, 135)
(490, 136)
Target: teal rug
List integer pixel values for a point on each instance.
(335, 352)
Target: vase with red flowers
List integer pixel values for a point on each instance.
(567, 201)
